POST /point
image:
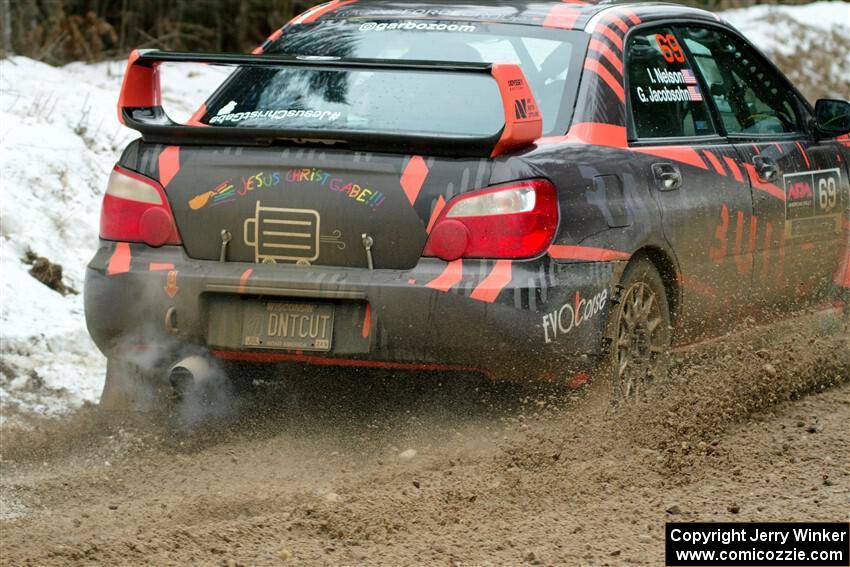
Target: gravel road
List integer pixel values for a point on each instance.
(332, 468)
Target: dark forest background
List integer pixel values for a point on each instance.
(60, 31)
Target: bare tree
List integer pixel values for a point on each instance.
(7, 29)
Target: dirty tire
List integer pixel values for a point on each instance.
(640, 327)
(129, 388)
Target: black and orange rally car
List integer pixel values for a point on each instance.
(526, 189)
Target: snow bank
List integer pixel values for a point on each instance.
(751, 22)
(60, 139)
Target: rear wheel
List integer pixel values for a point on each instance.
(641, 333)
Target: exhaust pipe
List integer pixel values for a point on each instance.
(190, 374)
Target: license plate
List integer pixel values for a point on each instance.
(290, 326)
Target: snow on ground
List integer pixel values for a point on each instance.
(60, 138)
(751, 22)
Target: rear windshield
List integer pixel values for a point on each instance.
(412, 102)
(408, 101)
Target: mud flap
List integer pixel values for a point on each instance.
(129, 388)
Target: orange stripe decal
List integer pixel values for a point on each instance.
(579, 380)
(754, 229)
(696, 285)
(450, 277)
(119, 263)
(195, 120)
(586, 253)
(606, 52)
(271, 39)
(768, 188)
(367, 321)
(682, 154)
(169, 164)
(438, 208)
(611, 35)
(743, 262)
(842, 275)
(491, 286)
(243, 281)
(631, 15)
(328, 361)
(805, 156)
(314, 14)
(597, 67)
(414, 177)
(598, 134)
(276, 35)
(715, 163)
(768, 240)
(155, 267)
(561, 16)
(736, 171)
(613, 136)
(619, 23)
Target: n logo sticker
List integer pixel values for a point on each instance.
(521, 107)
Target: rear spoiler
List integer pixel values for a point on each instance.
(140, 107)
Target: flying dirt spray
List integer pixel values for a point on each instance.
(153, 369)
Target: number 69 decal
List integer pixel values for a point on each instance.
(827, 194)
(670, 49)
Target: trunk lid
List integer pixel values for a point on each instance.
(309, 206)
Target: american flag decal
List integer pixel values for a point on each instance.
(689, 77)
(694, 93)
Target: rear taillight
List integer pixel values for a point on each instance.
(517, 220)
(135, 210)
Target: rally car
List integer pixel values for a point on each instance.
(531, 190)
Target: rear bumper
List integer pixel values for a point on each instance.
(510, 320)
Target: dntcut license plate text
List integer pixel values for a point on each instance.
(290, 326)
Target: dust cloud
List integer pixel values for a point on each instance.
(330, 467)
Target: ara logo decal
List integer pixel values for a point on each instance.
(562, 321)
(287, 235)
(814, 201)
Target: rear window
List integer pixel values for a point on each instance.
(425, 102)
(409, 102)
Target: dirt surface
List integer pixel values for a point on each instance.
(331, 468)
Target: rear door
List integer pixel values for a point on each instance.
(707, 199)
(799, 188)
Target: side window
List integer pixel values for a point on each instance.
(750, 97)
(666, 101)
